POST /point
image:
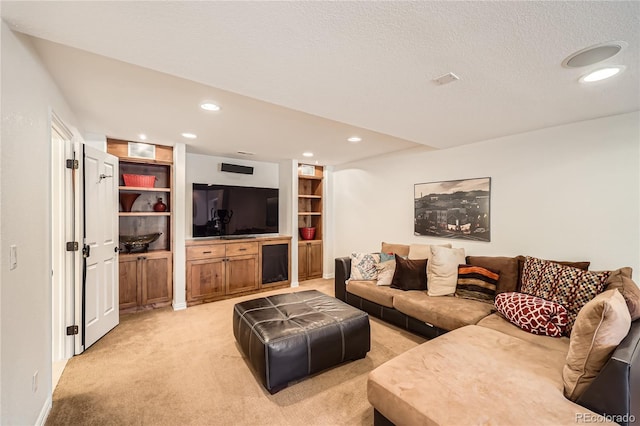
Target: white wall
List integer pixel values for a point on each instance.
(28, 96)
(568, 192)
(179, 203)
(206, 169)
(288, 210)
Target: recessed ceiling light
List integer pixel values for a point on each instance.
(189, 135)
(593, 54)
(308, 154)
(601, 74)
(354, 139)
(142, 137)
(209, 106)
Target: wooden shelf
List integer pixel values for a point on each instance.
(310, 177)
(314, 197)
(142, 189)
(142, 253)
(145, 278)
(128, 214)
(309, 213)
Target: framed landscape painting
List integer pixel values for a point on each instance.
(453, 209)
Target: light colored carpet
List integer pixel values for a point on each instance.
(163, 367)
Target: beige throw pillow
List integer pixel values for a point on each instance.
(599, 328)
(442, 270)
(385, 272)
(422, 251)
(621, 279)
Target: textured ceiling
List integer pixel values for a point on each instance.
(367, 65)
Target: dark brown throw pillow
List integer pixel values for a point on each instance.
(410, 274)
(506, 266)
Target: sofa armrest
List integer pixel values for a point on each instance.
(616, 389)
(342, 274)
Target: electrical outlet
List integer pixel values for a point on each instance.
(13, 257)
(34, 382)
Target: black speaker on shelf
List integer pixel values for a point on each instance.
(236, 168)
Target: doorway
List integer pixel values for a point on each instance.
(64, 184)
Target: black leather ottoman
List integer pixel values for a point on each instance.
(290, 336)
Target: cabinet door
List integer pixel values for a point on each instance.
(205, 279)
(128, 281)
(303, 261)
(157, 283)
(242, 273)
(315, 259)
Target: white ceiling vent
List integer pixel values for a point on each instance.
(446, 79)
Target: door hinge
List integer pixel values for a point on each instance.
(72, 330)
(72, 246)
(72, 164)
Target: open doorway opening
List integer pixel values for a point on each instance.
(63, 229)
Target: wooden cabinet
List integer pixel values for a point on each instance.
(146, 278)
(242, 274)
(310, 216)
(309, 260)
(205, 279)
(217, 269)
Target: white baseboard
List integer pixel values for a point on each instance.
(179, 306)
(295, 284)
(328, 276)
(44, 413)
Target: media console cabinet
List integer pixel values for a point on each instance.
(223, 268)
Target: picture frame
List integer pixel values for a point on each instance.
(454, 209)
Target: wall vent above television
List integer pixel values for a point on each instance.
(236, 168)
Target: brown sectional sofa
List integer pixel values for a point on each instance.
(483, 369)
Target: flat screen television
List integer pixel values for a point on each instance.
(226, 210)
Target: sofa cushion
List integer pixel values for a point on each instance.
(468, 377)
(568, 286)
(422, 251)
(363, 266)
(382, 295)
(620, 279)
(385, 271)
(399, 249)
(499, 323)
(442, 270)
(410, 274)
(506, 266)
(533, 314)
(447, 313)
(600, 327)
(476, 283)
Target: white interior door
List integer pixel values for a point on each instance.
(100, 292)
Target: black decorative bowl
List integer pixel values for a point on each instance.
(138, 243)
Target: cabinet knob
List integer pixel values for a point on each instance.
(206, 252)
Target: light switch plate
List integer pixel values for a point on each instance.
(13, 257)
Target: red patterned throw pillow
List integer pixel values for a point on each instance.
(533, 314)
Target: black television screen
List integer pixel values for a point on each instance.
(221, 210)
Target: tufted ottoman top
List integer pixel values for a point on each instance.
(289, 336)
